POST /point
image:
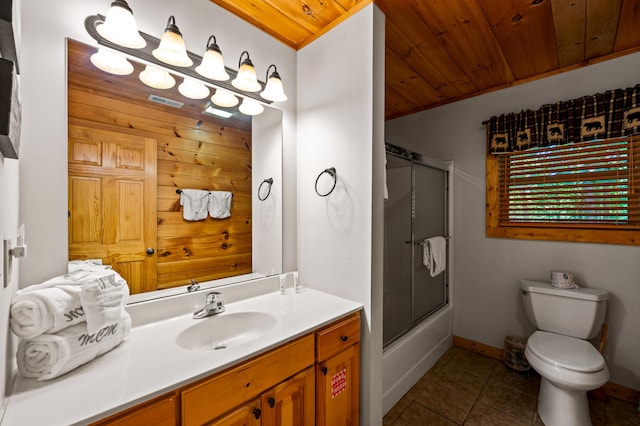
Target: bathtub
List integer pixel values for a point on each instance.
(407, 359)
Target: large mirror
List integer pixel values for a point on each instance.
(135, 153)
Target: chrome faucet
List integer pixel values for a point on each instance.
(213, 305)
(193, 286)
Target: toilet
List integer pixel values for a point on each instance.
(560, 351)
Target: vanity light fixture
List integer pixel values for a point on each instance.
(273, 90)
(246, 79)
(193, 89)
(219, 112)
(250, 107)
(156, 78)
(212, 65)
(110, 62)
(172, 50)
(120, 26)
(224, 98)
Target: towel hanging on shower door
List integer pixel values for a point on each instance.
(434, 255)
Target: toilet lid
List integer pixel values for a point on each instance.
(566, 352)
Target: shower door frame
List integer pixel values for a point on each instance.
(447, 168)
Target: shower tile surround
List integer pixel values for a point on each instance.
(467, 388)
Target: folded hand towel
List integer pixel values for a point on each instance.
(103, 300)
(434, 255)
(51, 355)
(194, 204)
(220, 204)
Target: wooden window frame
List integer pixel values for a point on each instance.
(553, 232)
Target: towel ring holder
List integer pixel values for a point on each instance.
(331, 171)
(268, 181)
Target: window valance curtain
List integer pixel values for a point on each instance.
(611, 114)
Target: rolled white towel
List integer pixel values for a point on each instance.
(103, 300)
(56, 303)
(46, 310)
(50, 355)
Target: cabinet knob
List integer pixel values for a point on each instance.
(257, 413)
(271, 401)
(324, 370)
(344, 338)
(150, 250)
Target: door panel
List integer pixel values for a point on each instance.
(397, 251)
(430, 209)
(112, 190)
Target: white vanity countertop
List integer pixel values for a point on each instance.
(149, 363)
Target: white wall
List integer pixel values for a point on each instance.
(488, 271)
(9, 185)
(8, 227)
(266, 223)
(337, 75)
(43, 177)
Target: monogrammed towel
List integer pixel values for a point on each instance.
(51, 355)
(45, 310)
(89, 292)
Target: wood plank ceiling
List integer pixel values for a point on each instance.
(441, 51)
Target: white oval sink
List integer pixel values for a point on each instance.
(225, 330)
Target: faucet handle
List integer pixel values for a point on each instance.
(213, 296)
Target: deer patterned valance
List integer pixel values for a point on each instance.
(611, 114)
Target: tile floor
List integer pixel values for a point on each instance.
(467, 388)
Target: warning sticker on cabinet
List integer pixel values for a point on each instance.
(338, 383)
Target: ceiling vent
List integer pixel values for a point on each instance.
(165, 101)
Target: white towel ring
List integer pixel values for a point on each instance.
(268, 181)
(332, 172)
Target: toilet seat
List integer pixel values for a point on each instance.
(566, 352)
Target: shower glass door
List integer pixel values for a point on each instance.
(416, 209)
(397, 317)
(429, 220)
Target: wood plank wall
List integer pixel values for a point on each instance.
(194, 151)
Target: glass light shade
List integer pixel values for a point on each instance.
(157, 78)
(110, 62)
(250, 107)
(120, 26)
(171, 49)
(246, 79)
(193, 89)
(212, 65)
(224, 98)
(274, 91)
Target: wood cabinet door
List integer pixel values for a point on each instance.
(291, 403)
(112, 201)
(338, 389)
(248, 414)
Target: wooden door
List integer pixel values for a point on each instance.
(248, 414)
(112, 201)
(290, 403)
(338, 389)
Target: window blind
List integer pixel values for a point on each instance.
(588, 185)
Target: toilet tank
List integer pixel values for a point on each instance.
(572, 312)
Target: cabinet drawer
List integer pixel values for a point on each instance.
(161, 411)
(337, 337)
(215, 396)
